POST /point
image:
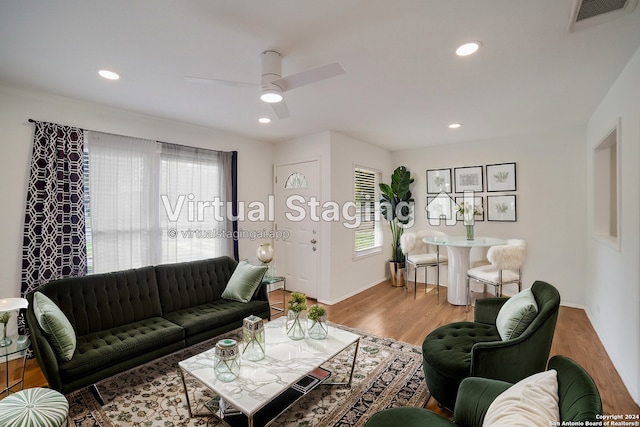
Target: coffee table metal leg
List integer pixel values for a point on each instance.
(353, 367)
(186, 393)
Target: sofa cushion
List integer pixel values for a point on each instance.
(244, 281)
(102, 349)
(516, 315)
(193, 283)
(532, 401)
(53, 321)
(205, 317)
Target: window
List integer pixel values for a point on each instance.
(149, 203)
(368, 235)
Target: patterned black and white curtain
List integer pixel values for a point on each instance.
(54, 227)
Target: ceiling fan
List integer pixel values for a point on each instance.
(273, 85)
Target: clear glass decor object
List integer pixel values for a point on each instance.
(265, 253)
(253, 341)
(297, 316)
(469, 228)
(226, 362)
(296, 324)
(318, 328)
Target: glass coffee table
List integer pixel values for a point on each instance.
(264, 389)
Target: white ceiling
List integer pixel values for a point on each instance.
(403, 84)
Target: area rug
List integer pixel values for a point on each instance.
(388, 374)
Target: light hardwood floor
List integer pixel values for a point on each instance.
(392, 312)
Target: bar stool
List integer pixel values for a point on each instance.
(34, 407)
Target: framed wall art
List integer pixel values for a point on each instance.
(438, 181)
(477, 201)
(501, 208)
(501, 177)
(440, 207)
(468, 178)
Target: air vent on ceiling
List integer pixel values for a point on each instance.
(587, 13)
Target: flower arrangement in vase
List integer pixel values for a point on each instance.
(4, 319)
(297, 316)
(318, 328)
(469, 211)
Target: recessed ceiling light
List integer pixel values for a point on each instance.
(109, 75)
(455, 125)
(264, 120)
(468, 49)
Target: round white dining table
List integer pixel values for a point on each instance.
(459, 248)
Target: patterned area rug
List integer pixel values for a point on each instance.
(388, 374)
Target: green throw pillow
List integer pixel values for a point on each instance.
(53, 321)
(244, 281)
(516, 314)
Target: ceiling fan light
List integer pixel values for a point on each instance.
(108, 74)
(271, 96)
(468, 49)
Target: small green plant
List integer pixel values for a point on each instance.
(317, 316)
(298, 302)
(5, 316)
(316, 312)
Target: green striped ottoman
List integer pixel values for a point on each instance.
(34, 407)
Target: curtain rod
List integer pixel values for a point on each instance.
(127, 136)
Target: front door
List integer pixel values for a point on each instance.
(297, 255)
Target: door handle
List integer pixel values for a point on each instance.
(314, 241)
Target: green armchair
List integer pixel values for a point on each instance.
(459, 350)
(578, 396)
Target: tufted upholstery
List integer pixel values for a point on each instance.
(34, 407)
(577, 393)
(458, 350)
(127, 318)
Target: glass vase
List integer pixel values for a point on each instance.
(226, 362)
(253, 339)
(296, 324)
(318, 329)
(469, 231)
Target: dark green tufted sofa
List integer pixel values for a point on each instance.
(127, 318)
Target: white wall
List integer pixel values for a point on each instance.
(16, 107)
(350, 276)
(550, 197)
(613, 275)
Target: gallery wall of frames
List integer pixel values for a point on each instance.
(491, 186)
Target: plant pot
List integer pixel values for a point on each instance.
(397, 270)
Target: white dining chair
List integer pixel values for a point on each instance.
(505, 268)
(419, 254)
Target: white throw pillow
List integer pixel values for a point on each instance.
(530, 402)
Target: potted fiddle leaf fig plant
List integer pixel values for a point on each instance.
(395, 204)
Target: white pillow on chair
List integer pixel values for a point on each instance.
(530, 402)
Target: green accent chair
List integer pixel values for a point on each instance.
(579, 400)
(459, 350)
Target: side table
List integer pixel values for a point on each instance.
(19, 346)
(270, 281)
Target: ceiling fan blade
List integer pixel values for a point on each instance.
(281, 110)
(310, 76)
(220, 82)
